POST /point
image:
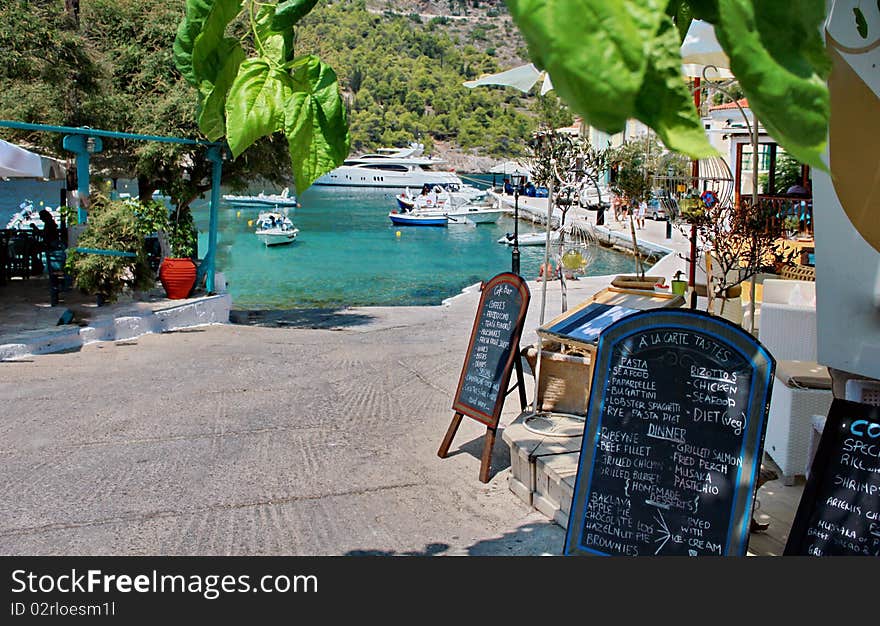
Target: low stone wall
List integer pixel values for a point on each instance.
(192, 312)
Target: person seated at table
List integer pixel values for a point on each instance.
(508, 187)
(530, 190)
(50, 235)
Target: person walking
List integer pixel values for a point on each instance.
(640, 215)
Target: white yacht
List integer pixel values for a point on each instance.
(390, 167)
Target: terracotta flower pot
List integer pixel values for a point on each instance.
(178, 277)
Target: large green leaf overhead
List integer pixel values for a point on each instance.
(245, 99)
(212, 113)
(612, 61)
(191, 26)
(315, 123)
(777, 54)
(255, 104)
(664, 102)
(289, 12)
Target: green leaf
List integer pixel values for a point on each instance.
(315, 123)
(861, 23)
(255, 104)
(682, 14)
(664, 102)
(198, 14)
(211, 47)
(777, 54)
(706, 10)
(289, 12)
(594, 51)
(212, 117)
(275, 45)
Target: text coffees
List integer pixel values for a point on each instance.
(493, 345)
(673, 439)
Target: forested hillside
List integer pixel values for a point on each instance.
(400, 66)
(403, 77)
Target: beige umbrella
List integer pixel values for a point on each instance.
(16, 162)
(523, 78)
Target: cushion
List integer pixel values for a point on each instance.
(803, 374)
(801, 295)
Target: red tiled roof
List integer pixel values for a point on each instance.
(744, 103)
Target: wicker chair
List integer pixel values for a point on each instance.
(788, 319)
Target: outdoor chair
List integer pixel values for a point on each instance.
(801, 390)
(788, 319)
(21, 255)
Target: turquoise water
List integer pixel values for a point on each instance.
(348, 253)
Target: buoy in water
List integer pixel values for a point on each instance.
(250, 222)
(238, 214)
(397, 233)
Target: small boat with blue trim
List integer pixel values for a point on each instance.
(263, 201)
(416, 218)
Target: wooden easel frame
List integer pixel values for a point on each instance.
(515, 359)
(489, 441)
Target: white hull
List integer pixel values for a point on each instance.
(277, 236)
(478, 216)
(530, 239)
(361, 176)
(263, 201)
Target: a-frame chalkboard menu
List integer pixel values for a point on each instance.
(492, 351)
(839, 512)
(673, 440)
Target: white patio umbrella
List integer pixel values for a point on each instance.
(16, 162)
(700, 49)
(523, 78)
(509, 168)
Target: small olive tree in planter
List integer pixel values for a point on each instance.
(113, 227)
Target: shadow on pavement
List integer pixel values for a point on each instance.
(325, 319)
(474, 447)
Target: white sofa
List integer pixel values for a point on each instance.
(788, 319)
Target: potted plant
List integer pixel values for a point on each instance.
(102, 264)
(792, 226)
(177, 272)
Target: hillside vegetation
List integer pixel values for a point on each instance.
(402, 77)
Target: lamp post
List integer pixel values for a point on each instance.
(516, 179)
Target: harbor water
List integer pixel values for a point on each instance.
(348, 253)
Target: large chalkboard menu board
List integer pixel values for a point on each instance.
(839, 512)
(493, 345)
(673, 440)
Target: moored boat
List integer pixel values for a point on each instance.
(275, 229)
(261, 201)
(417, 218)
(530, 239)
(390, 168)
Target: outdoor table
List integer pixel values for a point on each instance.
(569, 341)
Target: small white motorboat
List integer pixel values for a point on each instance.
(263, 201)
(28, 216)
(418, 218)
(530, 239)
(275, 229)
(478, 214)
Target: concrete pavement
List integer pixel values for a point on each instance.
(316, 438)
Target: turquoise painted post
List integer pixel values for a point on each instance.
(215, 156)
(79, 145)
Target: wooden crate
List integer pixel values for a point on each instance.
(564, 385)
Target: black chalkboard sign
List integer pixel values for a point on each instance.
(673, 440)
(493, 345)
(839, 511)
(493, 350)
